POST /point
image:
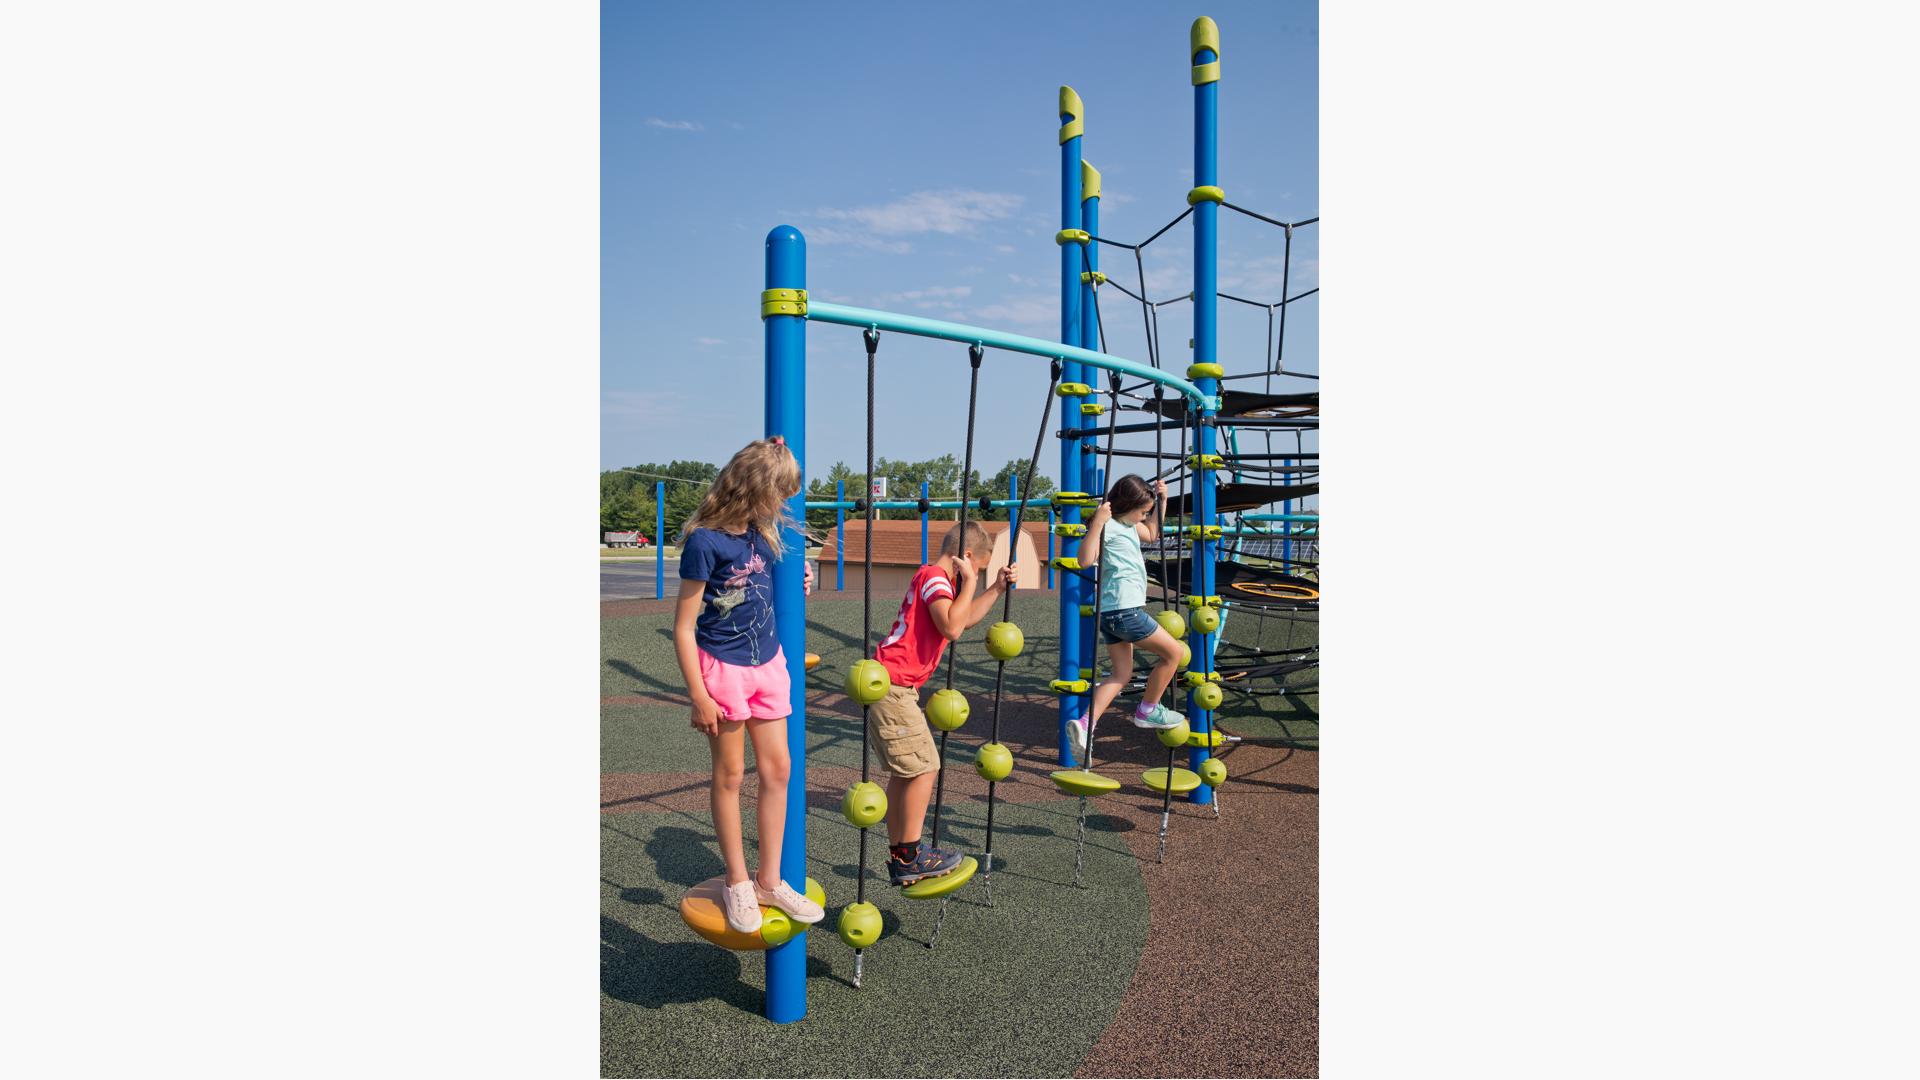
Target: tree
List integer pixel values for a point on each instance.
(1042, 487)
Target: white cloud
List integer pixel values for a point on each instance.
(673, 125)
(932, 298)
(824, 236)
(1005, 249)
(951, 213)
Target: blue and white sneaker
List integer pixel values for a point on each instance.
(1077, 735)
(1158, 717)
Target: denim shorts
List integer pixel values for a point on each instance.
(1127, 625)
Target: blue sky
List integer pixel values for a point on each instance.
(918, 151)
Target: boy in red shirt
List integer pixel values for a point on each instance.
(940, 605)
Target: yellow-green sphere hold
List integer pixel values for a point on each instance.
(1206, 619)
(1213, 772)
(1186, 657)
(1004, 641)
(865, 805)
(948, 710)
(993, 762)
(860, 925)
(1175, 735)
(776, 927)
(867, 681)
(1171, 621)
(1208, 695)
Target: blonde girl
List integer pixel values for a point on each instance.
(723, 636)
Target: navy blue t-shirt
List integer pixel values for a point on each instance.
(736, 615)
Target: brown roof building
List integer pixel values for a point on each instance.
(897, 543)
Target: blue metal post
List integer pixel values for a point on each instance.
(923, 525)
(1090, 338)
(660, 540)
(1050, 524)
(1204, 40)
(1072, 124)
(786, 415)
(840, 536)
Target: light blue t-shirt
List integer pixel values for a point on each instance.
(1123, 571)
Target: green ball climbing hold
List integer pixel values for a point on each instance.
(948, 710)
(1213, 772)
(860, 925)
(1206, 619)
(993, 762)
(1172, 623)
(1208, 695)
(1004, 641)
(864, 805)
(1175, 735)
(867, 681)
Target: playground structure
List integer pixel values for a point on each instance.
(1203, 563)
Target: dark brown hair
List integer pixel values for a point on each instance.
(1129, 493)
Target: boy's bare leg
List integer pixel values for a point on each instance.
(772, 765)
(907, 799)
(729, 768)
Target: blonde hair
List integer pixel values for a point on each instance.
(977, 539)
(751, 492)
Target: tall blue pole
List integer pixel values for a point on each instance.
(1205, 198)
(1072, 125)
(840, 537)
(786, 415)
(660, 540)
(923, 524)
(1090, 338)
(1050, 524)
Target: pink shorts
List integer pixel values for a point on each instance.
(748, 693)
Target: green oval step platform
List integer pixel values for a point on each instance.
(1082, 782)
(1184, 780)
(928, 888)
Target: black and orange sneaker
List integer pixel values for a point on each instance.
(929, 862)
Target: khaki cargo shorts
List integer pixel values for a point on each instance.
(901, 736)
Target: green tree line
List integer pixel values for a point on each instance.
(627, 495)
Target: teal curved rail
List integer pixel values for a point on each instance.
(820, 311)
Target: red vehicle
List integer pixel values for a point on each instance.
(615, 539)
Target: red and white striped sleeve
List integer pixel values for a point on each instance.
(936, 587)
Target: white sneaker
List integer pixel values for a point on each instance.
(743, 907)
(1077, 735)
(799, 908)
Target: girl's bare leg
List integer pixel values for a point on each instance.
(1122, 656)
(1162, 645)
(773, 766)
(729, 768)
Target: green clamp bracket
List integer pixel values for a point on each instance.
(1205, 193)
(1206, 461)
(1203, 601)
(1073, 236)
(1098, 278)
(1092, 408)
(1074, 115)
(1206, 371)
(1086, 611)
(783, 302)
(1073, 389)
(1065, 562)
(1195, 678)
(1070, 531)
(1203, 532)
(1069, 686)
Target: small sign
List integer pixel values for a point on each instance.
(879, 488)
